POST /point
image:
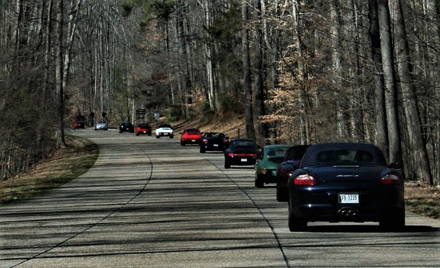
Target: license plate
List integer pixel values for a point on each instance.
(145, 132)
(349, 198)
(244, 160)
(193, 140)
(215, 145)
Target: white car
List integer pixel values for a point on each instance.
(101, 126)
(165, 130)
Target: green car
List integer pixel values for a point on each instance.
(267, 163)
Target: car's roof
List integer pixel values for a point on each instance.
(277, 146)
(313, 150)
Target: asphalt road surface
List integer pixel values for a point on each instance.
(151, 203)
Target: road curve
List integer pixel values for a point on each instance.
(151, 203)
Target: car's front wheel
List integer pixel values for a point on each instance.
(182, 143)
(171, 136)
(157, 136)
(202, 150)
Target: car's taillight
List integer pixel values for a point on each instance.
(390, 179)
(304, 180)
(231, 154)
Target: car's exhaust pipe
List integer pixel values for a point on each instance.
(348, 212)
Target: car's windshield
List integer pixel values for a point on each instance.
(344, 157)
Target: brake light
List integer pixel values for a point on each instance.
(304, 180)
(390, 179)
(231, 154)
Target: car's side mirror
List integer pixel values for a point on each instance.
(394, 165)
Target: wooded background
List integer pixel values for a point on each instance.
(300, 72)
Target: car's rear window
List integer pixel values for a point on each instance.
(143, 126)
(295, 153)
(193, 131)
(243, 144)
(276, 152)
(344, 157)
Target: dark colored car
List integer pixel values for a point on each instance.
(80, 122)
(267, 163)
(126, 127)
(346, 182)
(241, 152)
(143, 129)
(191, 136)
(291, 161)
(213, 141)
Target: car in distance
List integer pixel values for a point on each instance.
(191, 136)
(126, 127)
(78, 124)
(164, 130)
(101, 126)
(143, 128)
(213, 141)
(346, 182)
(267, 163)
(240, 152)
(291, 161)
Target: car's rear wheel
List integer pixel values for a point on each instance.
(182, 143)
(202, 150)
(259, 182)
(227, 164)
(295, 223)
(282, 194)
(171, 136)
(157, 136)
(393, 221)
(137, 134)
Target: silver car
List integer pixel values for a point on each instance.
(101, 126)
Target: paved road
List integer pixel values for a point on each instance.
(152, 203)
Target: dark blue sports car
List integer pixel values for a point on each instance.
(346, 182)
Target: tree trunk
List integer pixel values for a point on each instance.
(337, 68)
(381, 135)
(260, 94)
(389, 81)
(247, 81)
(417, 144)
(60, 69)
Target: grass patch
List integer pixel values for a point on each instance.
(423, 200)
(65, 165)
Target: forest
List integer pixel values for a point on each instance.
(299, 72)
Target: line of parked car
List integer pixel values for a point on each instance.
(145, 129)
(335, 182)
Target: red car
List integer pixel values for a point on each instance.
(191, 136)
(143, 129)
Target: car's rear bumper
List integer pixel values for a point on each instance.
(164, 134)
(268, 177)
(324, 204)
(241, 161)
(210, 147)
(191, 141)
